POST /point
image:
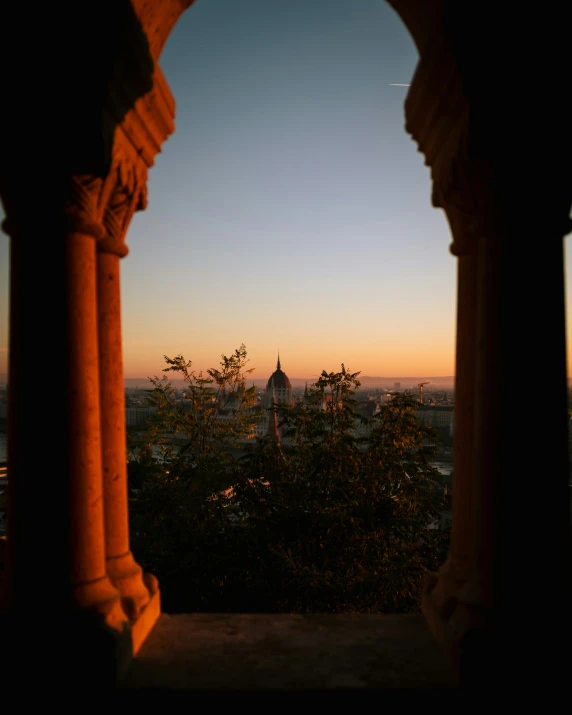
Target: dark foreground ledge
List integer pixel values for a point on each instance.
(288, 652)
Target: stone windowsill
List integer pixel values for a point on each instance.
(288, 652)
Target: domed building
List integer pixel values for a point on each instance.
(278, 392)
(279, 386)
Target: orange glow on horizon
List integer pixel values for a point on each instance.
(304, 366)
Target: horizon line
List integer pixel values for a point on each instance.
(147, 378)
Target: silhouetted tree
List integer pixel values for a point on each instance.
(331, 519)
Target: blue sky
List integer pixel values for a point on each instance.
(290, 209)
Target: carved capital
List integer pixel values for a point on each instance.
(437, 114)
(73, 205)
(463, 231)
(127, 194)
(438, 119)
(485, 181)
(83, 208)
(138, 138)
(471, 203)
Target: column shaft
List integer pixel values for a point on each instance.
(124, 572)
(55, 483)
(440, 598)
(463, 446)
(521, 500)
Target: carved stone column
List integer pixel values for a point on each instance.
(503, 195)
(440, 597)
(137, 141)
(56, 180)
(464, 247)
(67, 534)
(437, 116)
(56, 585)
(520, 499)
(127, 196)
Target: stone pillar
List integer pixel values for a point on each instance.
(56, 585)
(465, 387)
(122, 569)
(504, 161)
(521, 536)
(55, 185)
(440, 597)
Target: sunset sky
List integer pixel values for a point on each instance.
(290, 209)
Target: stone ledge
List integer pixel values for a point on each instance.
(288, 652)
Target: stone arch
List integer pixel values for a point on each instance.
(465, 124)
(69, 190)
(157, 18)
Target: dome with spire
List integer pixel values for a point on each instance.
(278, 380)
(278, 392)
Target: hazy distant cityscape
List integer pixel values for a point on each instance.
(438, 391)
(405, 383)
(436, 408)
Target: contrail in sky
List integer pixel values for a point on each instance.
(400, 85)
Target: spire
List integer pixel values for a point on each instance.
(273, 430)
(278, 363)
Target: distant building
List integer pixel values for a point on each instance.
(366, 409)
(279, 387)
(315, 400)
(278, 392)
(397, 386)
(135, 416)
(438, 416)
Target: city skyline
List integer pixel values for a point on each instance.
(368, 381)
(290, 208)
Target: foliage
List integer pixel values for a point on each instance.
(208, 418)
(331, 519)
